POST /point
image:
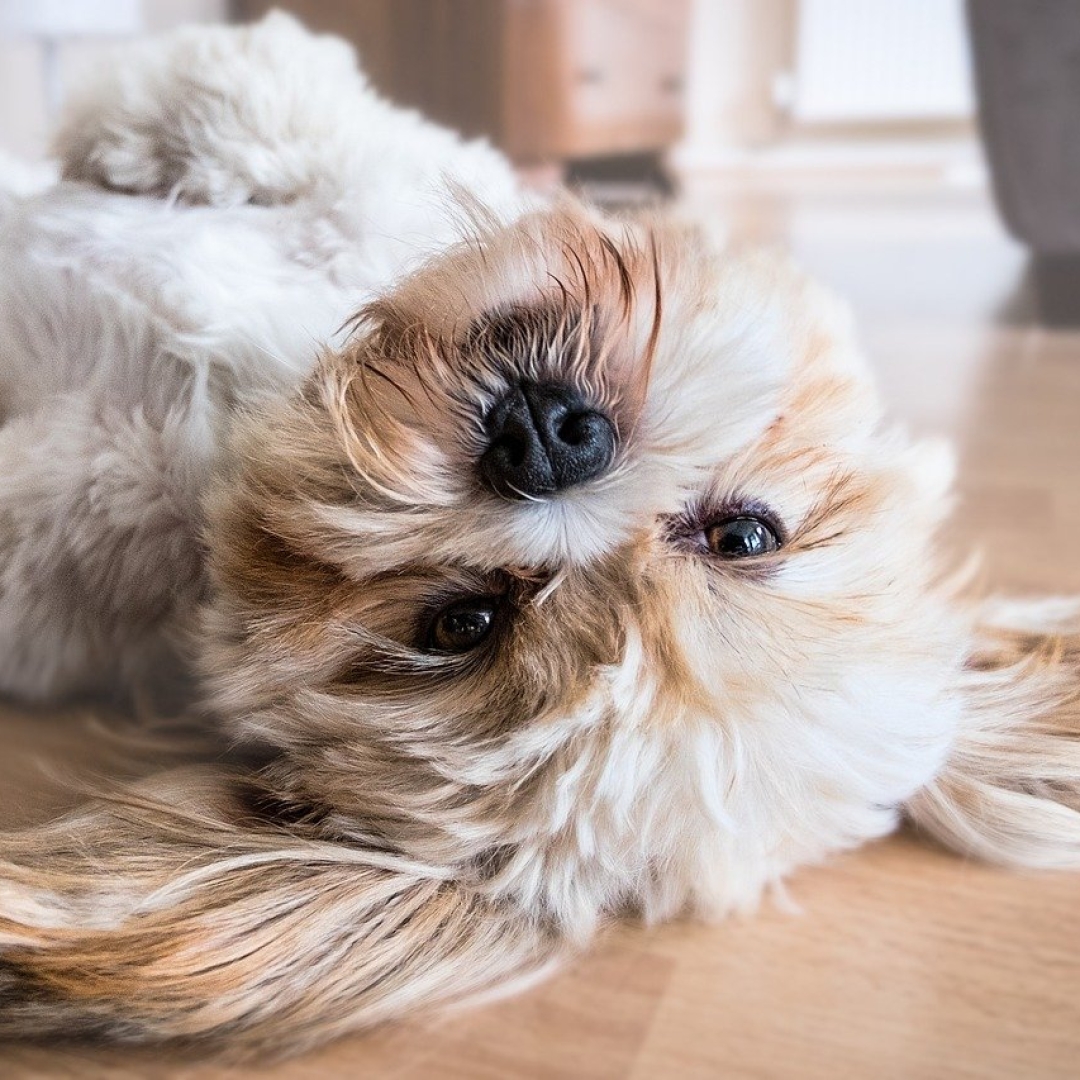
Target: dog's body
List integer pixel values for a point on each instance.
(578, 577)
(131, 328)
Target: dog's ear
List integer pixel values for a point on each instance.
(173, 911)
(1010, 789)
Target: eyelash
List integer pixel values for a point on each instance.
(688, 529)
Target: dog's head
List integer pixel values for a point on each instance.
(583, 578)
(589, 543)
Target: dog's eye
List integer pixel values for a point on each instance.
(463, 625)
(743, 537)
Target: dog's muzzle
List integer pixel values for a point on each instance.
(544, 437)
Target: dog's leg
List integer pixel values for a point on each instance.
(100, 558)
(219, 115)
(1010, 790)
(176, 911)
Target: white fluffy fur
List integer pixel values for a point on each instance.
(130, 328)
(660, 730)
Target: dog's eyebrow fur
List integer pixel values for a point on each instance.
(505, 329)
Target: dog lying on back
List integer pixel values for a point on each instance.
(576, 576)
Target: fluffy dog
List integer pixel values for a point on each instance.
(578, 576)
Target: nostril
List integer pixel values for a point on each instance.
(511, 449)
(584, 447)
(572, 431)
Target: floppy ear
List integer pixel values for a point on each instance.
(171, 912)
(1010, 790)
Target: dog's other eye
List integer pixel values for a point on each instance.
(463, 625)
(743, 537)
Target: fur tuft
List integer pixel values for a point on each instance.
(1010, 790)
(177, 914)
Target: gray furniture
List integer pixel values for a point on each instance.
(1027, 73)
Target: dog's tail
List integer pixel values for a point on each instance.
(177, 913)
(1010, 790)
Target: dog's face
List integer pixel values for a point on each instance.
(586, 561)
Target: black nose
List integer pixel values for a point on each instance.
(543, 438)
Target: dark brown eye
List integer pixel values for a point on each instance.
(463, 625)
(743, 537)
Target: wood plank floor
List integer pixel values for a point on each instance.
(900, 961)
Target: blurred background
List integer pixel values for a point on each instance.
(743, 86)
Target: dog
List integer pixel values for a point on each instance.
(576, 574)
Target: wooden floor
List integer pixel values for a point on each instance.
(901, 961)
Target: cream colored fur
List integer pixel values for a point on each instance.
(651, 730)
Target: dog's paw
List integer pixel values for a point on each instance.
(217, 115)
